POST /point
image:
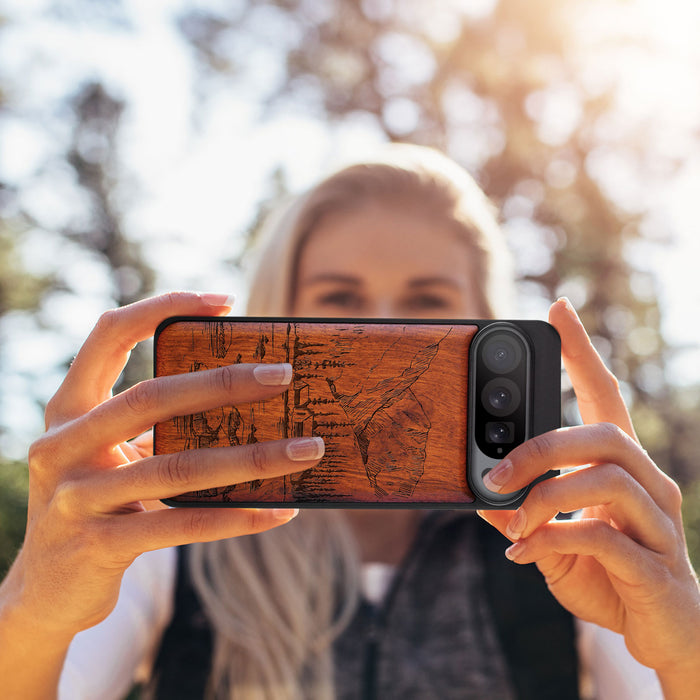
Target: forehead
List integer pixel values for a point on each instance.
(384, 239)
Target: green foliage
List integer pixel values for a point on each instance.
(18, 289)
(691, 521)
(14, 484)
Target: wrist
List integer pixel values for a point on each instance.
(682, 681)
(32, 656)
(18, 618)
(26, 631)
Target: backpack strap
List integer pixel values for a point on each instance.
(536, 633)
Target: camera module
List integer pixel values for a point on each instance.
(505, 359)
(501, 397)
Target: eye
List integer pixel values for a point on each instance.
(344, 299)
(427, 302)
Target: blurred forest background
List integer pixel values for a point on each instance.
(580, 119)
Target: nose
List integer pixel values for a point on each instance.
(383, 308)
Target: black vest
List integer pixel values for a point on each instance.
(534, 634)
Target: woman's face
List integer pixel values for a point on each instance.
(385, 261)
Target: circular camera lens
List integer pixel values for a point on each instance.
(500, 396)
(499, 432)
(502, 353)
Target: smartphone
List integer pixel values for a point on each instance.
(413, 413)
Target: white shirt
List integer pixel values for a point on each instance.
(104, 661)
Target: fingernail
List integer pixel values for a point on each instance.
(218, 299)
(517, 525)
(304, 449)
(515, 550)
(273, 375)
(285, 513)
(498, 477)
(569, 306)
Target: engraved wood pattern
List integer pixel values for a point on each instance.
(389, 400)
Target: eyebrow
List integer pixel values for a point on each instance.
(433, 281)
(333, 277)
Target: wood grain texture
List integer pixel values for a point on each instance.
(389, 400)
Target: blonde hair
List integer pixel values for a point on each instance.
(416, 176)
(277, 600)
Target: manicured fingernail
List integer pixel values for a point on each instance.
(515, 550)
(273, 375)
(499, 476)
(218, 299)
(285, 514)
(569, 306)
(304, 449)
(517, 525)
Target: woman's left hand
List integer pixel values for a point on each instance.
(623, 564)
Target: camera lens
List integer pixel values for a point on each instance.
(502, 353)
(500, 396)
(499, 432)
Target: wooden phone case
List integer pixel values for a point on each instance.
(390, 400)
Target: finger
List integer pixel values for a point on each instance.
(579, 445)
(497, 518)
(618, 554)
(143, 444)
(142, 532)
(102, 357)
(606, 486)
(138, 448)
(596, 388)
(165, 476)
(131, 452)
(156, 400)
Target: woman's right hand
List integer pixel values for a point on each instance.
(88, 516)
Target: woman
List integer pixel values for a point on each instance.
(410, 236)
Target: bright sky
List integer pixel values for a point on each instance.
(194, 189)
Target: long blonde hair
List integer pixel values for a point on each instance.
(277, 600)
